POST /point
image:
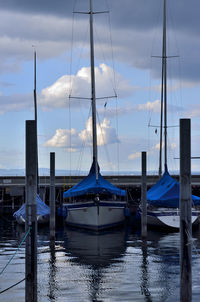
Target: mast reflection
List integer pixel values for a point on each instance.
(97, 252)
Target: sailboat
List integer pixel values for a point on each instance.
(43, 211)
(94, 203)
(163, 197)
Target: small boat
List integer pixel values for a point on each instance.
(43, 213)
(163, 197)
(94, 203)
(163, 204)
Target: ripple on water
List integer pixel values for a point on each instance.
(110, 267)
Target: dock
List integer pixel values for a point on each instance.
(12, 188)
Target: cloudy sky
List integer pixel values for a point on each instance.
(126, 39)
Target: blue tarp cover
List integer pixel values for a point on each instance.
(42, 209)
(165, 193)
(90, 185)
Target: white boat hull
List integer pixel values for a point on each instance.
(89, 215)
(169, 218)
(41, 219)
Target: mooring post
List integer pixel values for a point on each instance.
(144, 196)
(185, 212)
(31, 211)
(52, 195)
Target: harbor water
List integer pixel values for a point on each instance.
(109, 267)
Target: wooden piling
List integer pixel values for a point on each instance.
(52, 195)
(144, 197)
(31, 211)
(185, 212)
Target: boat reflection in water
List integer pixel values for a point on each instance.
(96, 251)
(116, 266)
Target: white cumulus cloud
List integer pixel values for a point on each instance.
(73, 140)
(150, 106)
(64, 138)
(155, 148)
(57, 95)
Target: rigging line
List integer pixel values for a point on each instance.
(105, 146)
(70, 92)
(154, 38)
(172, 153)
(79, 162)
(75, 1)
(112, 52)
(80, 54)
(148, 112)
(104, 57)
(171, 19)
(117, 130)
(91, 149)
(175, 95)
(3, 291)
(113, 81)
(191, 240)
(180, 81)
(81, 158)
(156, 28)
(83, 143)
(70, 145)
(178, 50)
(29, 229)
(83, 43)
(71, 53)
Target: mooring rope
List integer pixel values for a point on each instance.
(16, 250)
(3, 291)
(191, 241)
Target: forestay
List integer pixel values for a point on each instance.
(91, 185)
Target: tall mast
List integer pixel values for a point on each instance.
(93, 94)
(35, 109)
(165, 83)
(163, 95)
(161, 127)
(35, 96)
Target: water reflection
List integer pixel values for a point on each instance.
(53, 288)
(97, 252)
(114, 266)
(164, 251)
(144, 272)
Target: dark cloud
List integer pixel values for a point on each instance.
(125, 13)
(38, 6)
(136, 30)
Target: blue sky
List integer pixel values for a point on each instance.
(136, 35)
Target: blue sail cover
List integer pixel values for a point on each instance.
(165, 193)
(42, 209)
(90, 185)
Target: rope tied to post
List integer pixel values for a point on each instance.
(29, 229)
(3, 291)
